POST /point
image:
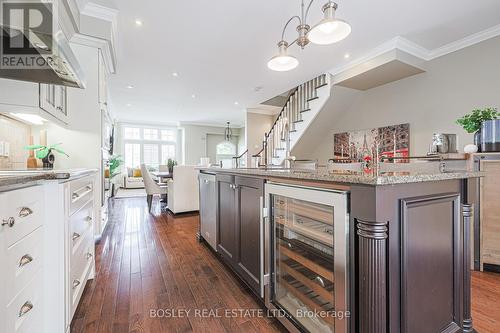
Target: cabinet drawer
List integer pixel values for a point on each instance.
(81, 191)
(80, 268)
(21, 213)
(83, 254)
(80, 224)
(24, 259)
(25, 314)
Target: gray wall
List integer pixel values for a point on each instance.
(431, 102)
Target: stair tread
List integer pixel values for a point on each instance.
(305, 110)
(298, 121)
(291, 131)
(312, 99)
(324, 84)
(280, 148)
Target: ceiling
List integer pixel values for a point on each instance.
(220, 50)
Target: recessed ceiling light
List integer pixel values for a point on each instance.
(193, 96)
(347, 56)
(138, 22)
(130, 87)
(236, 103)
(128, 104)
(175, 74)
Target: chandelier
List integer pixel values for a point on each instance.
(228, 133)
(327, 31)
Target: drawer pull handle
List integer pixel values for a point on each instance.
(320, 281)
(299, 221)
(89, 255)
(75, 196)
(27, 307)
(76, 283)
(329, 231)
(89, 188)
(205, 181)
(10, 222)
(25, 211)
(75, 236)
(88, 219)
(26, 259)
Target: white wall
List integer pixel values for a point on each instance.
(256, 125)
(453, 85)
(195, 141)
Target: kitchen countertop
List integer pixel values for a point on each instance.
(10, 178)
(351, 177)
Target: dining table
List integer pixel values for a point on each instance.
(161, 175)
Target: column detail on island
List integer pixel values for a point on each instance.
(467, 214)
(372, 247)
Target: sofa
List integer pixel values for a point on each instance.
(183, 190)
(133, 179)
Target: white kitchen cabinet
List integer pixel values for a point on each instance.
(22, 221)
(46, 100)
(53, 100)
(46, 254)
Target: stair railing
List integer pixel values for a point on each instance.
(278, 137)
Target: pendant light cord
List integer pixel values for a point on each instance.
(286, 25)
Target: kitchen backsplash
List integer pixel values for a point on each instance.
(17, 135)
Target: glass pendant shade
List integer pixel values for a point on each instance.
(282, 62)
(329, 30)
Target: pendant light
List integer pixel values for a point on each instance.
(282, 62)
(228, 133)
(329, 30)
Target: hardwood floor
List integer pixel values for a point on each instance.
(149, 262)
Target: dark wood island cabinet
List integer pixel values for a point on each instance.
(407, 246)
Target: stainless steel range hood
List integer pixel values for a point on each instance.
(62, 67)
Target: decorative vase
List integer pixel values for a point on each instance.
(48, 161)
(490, 136)
(477, 140)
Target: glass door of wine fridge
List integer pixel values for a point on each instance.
(307, 257)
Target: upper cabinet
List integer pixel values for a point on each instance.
(53, 99)
(48, 101)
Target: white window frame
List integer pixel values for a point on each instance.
(177, 143)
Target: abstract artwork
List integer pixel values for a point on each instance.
(392, 141)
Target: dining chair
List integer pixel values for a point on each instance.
(152, 188)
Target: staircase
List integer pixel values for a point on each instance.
(302, 106)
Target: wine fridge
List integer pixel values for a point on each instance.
(306, 262)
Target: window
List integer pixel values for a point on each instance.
(151, 146)
(150, 134)
(167, 151)
(168, 135)
(225, 151)
(132, 133)
(151, 154)
(226, 148)
(132, 155)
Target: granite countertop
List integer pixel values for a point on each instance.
(34, 176)
(351, 177)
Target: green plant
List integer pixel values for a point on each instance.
(42, 151)
(472, 121)
(115, 163)
(171, 163)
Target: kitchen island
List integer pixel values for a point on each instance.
(390, 252)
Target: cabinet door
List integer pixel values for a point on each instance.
(208, 214)
(48, 98)
(226, 227)
(61, 102)
(490, 212)
(249, 228)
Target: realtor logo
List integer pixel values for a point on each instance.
(26, 34)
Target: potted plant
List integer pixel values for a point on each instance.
(115, 163)
(471, 122)
(170, 164)
(45, 153)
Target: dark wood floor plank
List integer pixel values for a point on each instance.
(149, 262)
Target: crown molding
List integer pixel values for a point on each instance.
(104, 45)
(417, 50)
(218, 125)
(466, 42)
